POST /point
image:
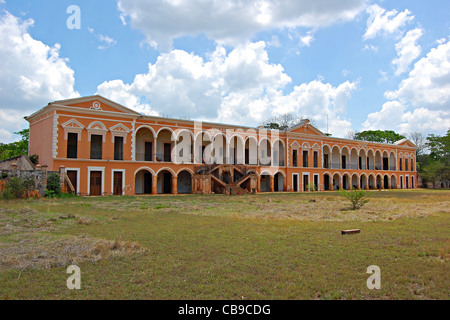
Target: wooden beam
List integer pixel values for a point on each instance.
(355, 231)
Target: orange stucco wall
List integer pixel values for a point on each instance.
(307, 138)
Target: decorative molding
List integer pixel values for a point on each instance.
(55, 136)
(96, 105)
(119, 130)
(72, 126)
(97, 128)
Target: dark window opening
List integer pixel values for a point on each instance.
(294, 158)
(96, 147)
(148, 151)
(316, 159)
(118, 148)
(305, 159)
(72, 145)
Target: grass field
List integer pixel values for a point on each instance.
(265, 246)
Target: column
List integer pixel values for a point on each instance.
(154, 184)
(174, 185)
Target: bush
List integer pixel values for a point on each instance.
(356, 197)
(17, 188)
(34, 159)
(53, 185)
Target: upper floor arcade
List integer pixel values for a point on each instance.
(96, 129)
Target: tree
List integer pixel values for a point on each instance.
(419, 140)
(439, 147)
(387, 136)
(435, 167)
(15, 149)
(282, 122)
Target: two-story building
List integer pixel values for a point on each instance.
(106, 148)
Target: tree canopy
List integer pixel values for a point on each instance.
(386, 136)
(282, 122)
(15, 149)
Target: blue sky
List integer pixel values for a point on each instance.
(365, 64)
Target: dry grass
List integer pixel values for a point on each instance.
(47, 252)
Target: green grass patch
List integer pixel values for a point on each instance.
(270, 246)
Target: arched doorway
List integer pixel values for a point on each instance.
(143, 182)
(184, 182)
(164, 182)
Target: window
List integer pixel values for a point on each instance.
(325, 161)
(412, 165)
(344, 162)
(294, 158)
(401, 165)
(118, 148)
(406, 165)
(305, 159)
(316, 159)
(96, 146)
(72, 145)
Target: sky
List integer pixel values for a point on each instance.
(348, 65)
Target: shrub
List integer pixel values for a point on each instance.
(53, 185)
(356, 197)
(34, 159)
(17, 188)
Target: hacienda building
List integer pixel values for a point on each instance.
(104, 148)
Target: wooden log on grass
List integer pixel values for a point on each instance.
(355, 231)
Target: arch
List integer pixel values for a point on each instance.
(379, 181)
(392, 161)
(164, 181)
(336, 157)
(363, 181)
(279, 179)
(362, 161)
(337, 181)
(265, 183)
(219, 148)
(145, 168)
(371, 181)
(345, 158)
(96, 124)
(178, 132)
(203, 147)
(251, 150)
(370, 160)
(393, 182)
(355, 181)
(265, 152)
(354, 159)
(236, 150)
(143, 181)
(144, 126)
(166, 169)
(278, 153)
(378, 160)
(327, 156)
(386, 182)
(346, 181)
(174, 136)
(184, 181)
(327, 178)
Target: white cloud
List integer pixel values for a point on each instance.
(428, 84)
(239, 87)
(407, 51)
(107, 42)
(32, 73)
(387, 119)
(230, 21)
(385, 22)
(422, 102)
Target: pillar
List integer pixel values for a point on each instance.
(154, 184)
(272, 184)
(174, 185)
